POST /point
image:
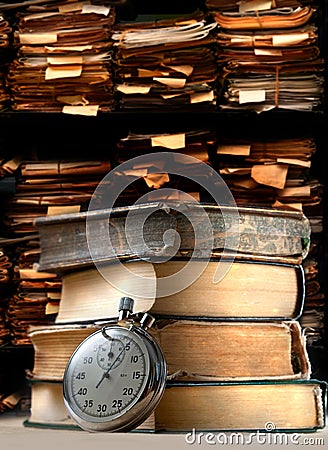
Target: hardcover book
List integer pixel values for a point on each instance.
(288, 406)
(251, 230)
(195, 350)
(243, 293)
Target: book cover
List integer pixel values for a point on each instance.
(65, 239)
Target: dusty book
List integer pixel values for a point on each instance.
(76, 240)
(297, 405)
(194, 350)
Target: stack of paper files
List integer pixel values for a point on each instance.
(48, 187)
(35, 300)
(5, 286)
(167, 63)
(6, 32)
(63, 60)
(268, 56)
(266, 171)
(171, 159)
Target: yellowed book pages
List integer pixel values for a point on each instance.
(88, 296)
(287, 406)
(242, 292)
(194, 350)
(294, 406)
(202, 350)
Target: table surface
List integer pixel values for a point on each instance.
(14, 435)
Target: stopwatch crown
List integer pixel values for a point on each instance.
(125, 307)
(126, 304)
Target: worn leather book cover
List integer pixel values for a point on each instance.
(65, 241)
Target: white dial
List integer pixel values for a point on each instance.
(116, 377)
(107, 374)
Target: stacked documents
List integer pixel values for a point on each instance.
(5, 54)
(63, 60)
(51, 187)
(269, 171)
(164, 166)
(269, 55)
(166, 63)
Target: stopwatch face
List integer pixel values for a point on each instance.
(106, 376)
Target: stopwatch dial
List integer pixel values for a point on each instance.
(110, 353)
(106, 376)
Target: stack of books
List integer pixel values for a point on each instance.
(233, 346)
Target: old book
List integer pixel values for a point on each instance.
(245, 406)
(66, 239)
(281, 405)
(243, 293)
(233, 350)
(53, 346)
(194, 350)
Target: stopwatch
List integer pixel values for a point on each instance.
(116, 377)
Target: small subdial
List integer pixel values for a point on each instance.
(110, 353)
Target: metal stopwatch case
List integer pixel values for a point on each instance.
(116, 377)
